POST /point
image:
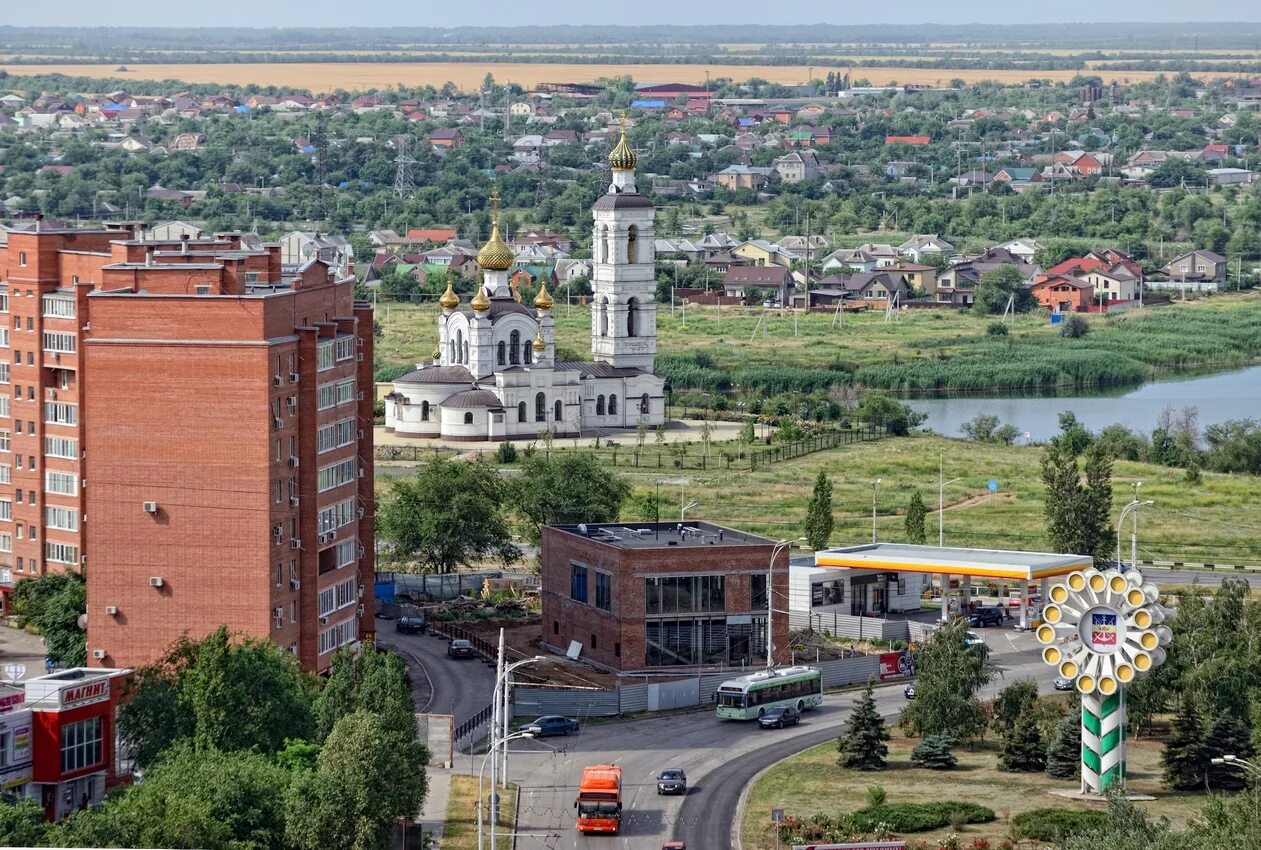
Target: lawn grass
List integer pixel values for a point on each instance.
(811, 783)
(930, 337)
(1213, 521)
(460, 831)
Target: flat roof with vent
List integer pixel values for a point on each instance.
(654, 535)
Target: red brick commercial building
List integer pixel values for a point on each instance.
(661, 595)
(221, 408)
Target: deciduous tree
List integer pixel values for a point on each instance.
(566, 488)
(949, 675)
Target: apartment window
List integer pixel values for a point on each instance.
(61, 553)
(603, 595)
(338, 474)
(345, 391)
(62, 483)
(347, 553)
(347, 593)
(62, 519)
(344, 348)
(22, 262)
(81, 744)
(6, 474)
(4, 441)
(4, 406)
(30, 320)
(4, 301)
(4, 374)
(62, 447)
(578, 583)
(328, 601)
(339, 635)
(4, 337)
(293, 612)
(338, 434)
(59, 342)
(325, 396)
(201, 289)
(338, 516)
(60, 413)
(58, 307)
(324, 356)
(251, 277)
(6, 542)
(280, 574)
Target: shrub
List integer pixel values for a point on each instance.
(506, 453)
(1056, 824)
(996, 329)
(1074, 327)
(920, 817)
(934, 753)
(876, 795)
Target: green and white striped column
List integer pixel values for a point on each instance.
(1102, 742)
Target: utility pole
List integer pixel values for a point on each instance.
(875, 488)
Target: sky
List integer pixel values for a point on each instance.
(334, 13)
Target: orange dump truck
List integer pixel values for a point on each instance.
(599, 800)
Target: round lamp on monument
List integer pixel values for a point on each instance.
(1103, 630)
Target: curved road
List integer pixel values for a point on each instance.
(440, 684)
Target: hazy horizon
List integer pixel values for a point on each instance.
(384, 13)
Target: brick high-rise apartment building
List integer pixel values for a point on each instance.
(193, 425)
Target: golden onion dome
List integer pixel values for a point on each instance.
(543, 300)
(480, 302)
(539, 345)
(622, 157)
(437, 353)
(449, 299)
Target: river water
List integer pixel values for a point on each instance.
(1219, 397)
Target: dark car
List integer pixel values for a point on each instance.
(672, 781)
(410, 625)
(461, 649)
(551, 724)
(909, 691)
(1064, 684)
(987, 617)
(778, 718)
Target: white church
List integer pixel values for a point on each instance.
(494, 374)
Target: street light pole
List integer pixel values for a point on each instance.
(1132, 506)
(770, 604)
(506, 696)
(481, 773)
(875, 488)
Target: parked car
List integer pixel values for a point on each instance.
(973, 639)
(410, 625)
(674, 845)
(672, 781)
(551, 724)
(909, 691)
(987, 616)
(461, 649)
(778, 718)
(1063, 684)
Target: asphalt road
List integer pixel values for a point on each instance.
(441, 685)
(719, 757)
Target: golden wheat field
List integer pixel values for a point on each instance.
(321, 77)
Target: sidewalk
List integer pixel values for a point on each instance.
(433, 815)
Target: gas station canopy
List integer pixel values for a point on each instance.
(974, 563)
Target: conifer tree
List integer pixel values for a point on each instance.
(915, 513)
(819, 513)
(1227, 735)
(1185, 758)
(1063, 757)
(1022, 747)
(934, 753)
(864, 745)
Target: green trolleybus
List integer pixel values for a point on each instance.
(747, 697)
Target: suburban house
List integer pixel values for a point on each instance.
(918, 247)
(914, 141)
(1022, 248)
(417, 235)
(796, 166)
(804, 246)
(863, 286)
(1063, 294)
(743, 177)
(740, 281)
(759, 252)
(1226, 176)
(1018, 178)
(850, 258)
(918, 276)
(1198, 266)
(1116, 283)
(446, 138)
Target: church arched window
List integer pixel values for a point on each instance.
(424, 411)
(521, 412)
(514, 347)
(527, 353)
(560, 410)
(632, 244)
(468, 418)
(540, 408)
(459, 346)
(601, 239)
(612, 405)
(643, 404)
(632, 317)
(599, 405)
(465, 358)
(502, 357)
(604, 317)
(451, 351)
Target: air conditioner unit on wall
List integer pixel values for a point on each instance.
(295, 543)
(150, 507)
(276, 380)
(98, 654)
(155, 581)
(295, 584)
(111, 609)
(293, 461)
(293, 501)
(293, 377)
